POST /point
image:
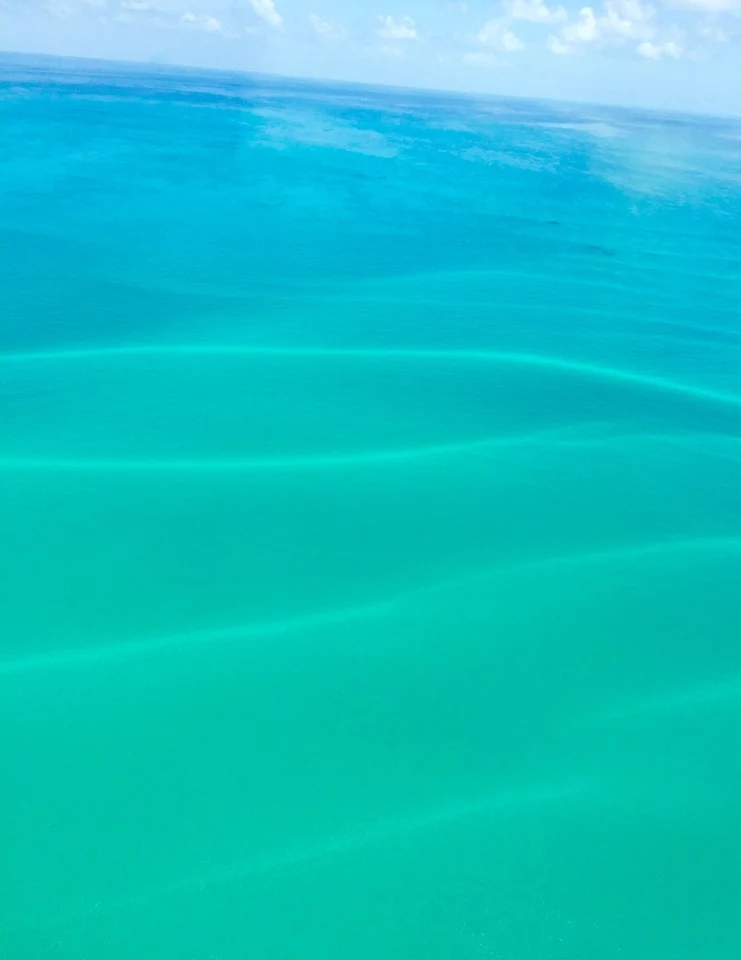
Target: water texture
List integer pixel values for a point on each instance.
(370, 497)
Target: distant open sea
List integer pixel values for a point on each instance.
(370, 523)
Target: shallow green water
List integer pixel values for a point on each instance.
(370, 495)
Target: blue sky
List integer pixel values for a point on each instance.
(681, 54)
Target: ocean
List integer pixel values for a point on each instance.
(370, 497)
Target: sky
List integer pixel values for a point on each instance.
(673, 54)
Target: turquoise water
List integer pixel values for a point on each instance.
(370, 496)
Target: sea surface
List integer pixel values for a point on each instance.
(370, 523)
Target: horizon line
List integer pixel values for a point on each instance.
(161, 66)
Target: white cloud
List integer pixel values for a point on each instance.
(202, 22)
(614, 25)
(535, 11)
(265, 9)
(627, 18)
(655, 51)
(392, 29)
(497, 34)
(511, 42)
(619, 21)
(327, 29)
(584, 29)
(136, 5)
